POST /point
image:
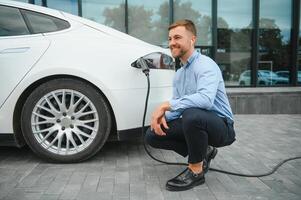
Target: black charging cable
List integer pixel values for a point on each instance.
(274, 169)
(143, 126)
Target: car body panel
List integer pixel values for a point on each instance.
(16, 60)
(102, 56)
(286, 74)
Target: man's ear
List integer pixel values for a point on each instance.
(193, 40)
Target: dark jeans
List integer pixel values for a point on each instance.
(191, 134)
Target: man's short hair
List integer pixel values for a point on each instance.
(188, 24)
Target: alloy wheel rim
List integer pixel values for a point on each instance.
(64, 122)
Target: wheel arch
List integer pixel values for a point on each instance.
(19, 138)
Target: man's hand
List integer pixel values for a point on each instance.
(158, 119)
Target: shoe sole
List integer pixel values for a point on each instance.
(176, 189)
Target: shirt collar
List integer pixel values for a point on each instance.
(190, 59)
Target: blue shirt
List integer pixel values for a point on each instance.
(199, 83)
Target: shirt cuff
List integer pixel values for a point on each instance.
(169, 116)
(174, 104)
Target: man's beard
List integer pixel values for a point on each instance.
(181, 53)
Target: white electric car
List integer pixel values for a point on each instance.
(66, 83)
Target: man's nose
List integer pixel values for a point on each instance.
(171, 42)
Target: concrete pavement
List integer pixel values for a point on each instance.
(122, 170)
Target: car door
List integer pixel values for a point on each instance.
(19, 51)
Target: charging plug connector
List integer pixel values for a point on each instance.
(143, 65)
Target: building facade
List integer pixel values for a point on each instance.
(255, 42)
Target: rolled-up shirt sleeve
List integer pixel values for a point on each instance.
(207, 84)
(174, 114)
(169, 116)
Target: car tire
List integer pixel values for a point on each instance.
(65, 120)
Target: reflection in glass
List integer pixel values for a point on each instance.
(41, 23)
(156, 60)
(148, 20)
(299, 53)
(69, 6)
(11, 22)
(234, 41)
(299, 76)
(107, 12)
(274, 39)
(200, 13)
(38, 2)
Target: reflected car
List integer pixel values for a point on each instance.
(286, 74)
(67, 83)
(264, 77)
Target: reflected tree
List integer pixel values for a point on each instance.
(113, 17)
(160, 33)
(140, 23)
(272, 47)
(202, 22)
(151, 26)
(234, 45)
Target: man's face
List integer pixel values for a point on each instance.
(181, 41)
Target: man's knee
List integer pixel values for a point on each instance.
(194, 116)
(150, 137)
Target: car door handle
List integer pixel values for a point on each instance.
(15, 50)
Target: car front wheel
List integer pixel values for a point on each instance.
(65, 120)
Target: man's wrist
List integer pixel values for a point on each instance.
(165, 106)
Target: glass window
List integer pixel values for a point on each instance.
(149, 20)
(234, 31)
(107, 12)
(299, 53)
(11, 22)
(25, 1)
(40, 23)
(274, 41)
(38, 2)
(200, 13)
(69, 6)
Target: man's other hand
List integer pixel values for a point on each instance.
(158, 119)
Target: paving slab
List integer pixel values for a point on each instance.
(122, 170)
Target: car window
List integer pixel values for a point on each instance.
(283, 74)
(247, 73)
(273, 74)
(12, 22)
(41, 23)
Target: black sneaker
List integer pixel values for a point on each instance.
(185, 180)
(211, 153)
